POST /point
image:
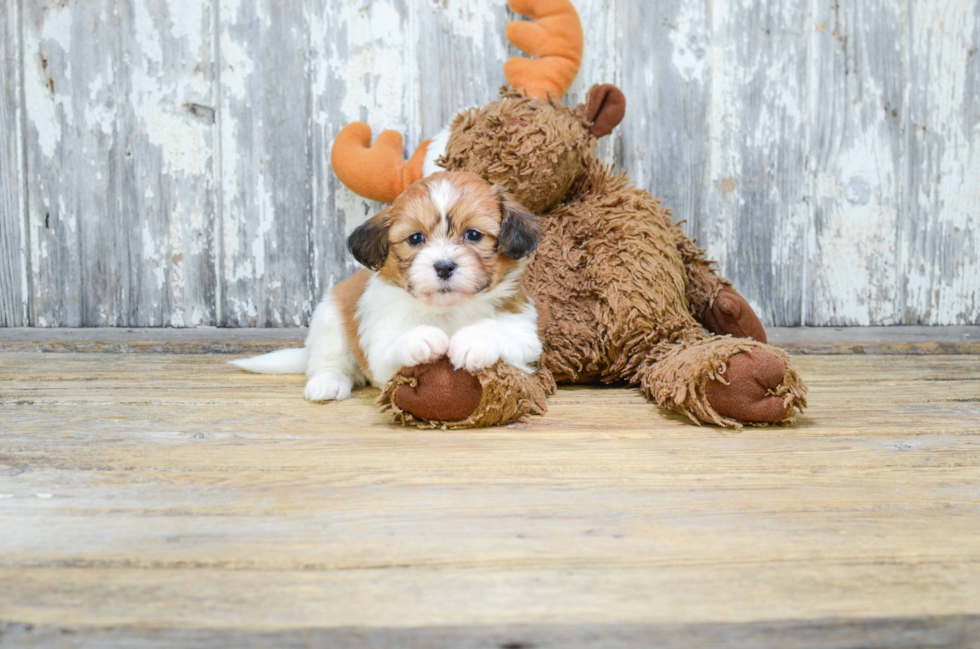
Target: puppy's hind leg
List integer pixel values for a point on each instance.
(331, 370)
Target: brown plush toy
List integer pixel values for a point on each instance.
(623, 293)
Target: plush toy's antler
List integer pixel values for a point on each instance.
(377, 172)
(554, 39)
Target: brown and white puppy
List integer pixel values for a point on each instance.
(444, 266)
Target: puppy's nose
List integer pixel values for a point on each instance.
(444, 269)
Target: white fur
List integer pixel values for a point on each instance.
(403, 328)
(283, 361)
(509, 337)
(328, 385)
(398, 330)
(391, 320)
(444, 195)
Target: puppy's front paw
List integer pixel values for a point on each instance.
(421, 345)
(328, 385)
(471, 349)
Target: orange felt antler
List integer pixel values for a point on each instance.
(377, 172)
(554, 39)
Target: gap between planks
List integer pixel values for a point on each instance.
(211, 340)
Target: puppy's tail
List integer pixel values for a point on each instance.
(283, 361)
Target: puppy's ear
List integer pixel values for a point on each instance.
(369, 242)
(520, 230)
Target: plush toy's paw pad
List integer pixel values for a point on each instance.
(328, 385)
(421, 345)
(729, 306)
(471, 350)
(440, 393)
(730, 314)
(747, 396)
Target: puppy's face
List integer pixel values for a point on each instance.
(447, 239)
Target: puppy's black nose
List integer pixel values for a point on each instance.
(444, 269)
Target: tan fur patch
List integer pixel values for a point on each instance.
(473, 206)
(346, 295)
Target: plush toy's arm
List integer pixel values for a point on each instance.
(713, 301)
(703, 281)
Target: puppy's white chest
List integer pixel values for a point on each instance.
(385, 313)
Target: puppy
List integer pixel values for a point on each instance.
(443, 278)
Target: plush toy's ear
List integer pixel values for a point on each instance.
(369, 242)
(605, 108)
(520, 230)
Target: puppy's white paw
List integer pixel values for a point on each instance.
(472, 349)
(328, 385)
(421, 345)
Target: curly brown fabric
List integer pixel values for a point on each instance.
(533, 148)
(703, 282)
(627, 291)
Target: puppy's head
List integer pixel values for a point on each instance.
(447, 239)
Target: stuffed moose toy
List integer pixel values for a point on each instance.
(623, 294)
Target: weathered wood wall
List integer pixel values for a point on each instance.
(166, 162)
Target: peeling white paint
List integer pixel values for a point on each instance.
(265, 210)
(182, 144)
(943, 261)
(41, 101)
(691, 43)
(153, 258)
(856, 265)
(886, 222)
(186, 20)
(147, 33)
(236, 68)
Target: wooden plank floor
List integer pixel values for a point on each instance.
(171, 500)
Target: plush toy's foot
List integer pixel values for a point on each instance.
(436, 395)
(437, 392)
(746, 389)
(726, 381)
(730, 315)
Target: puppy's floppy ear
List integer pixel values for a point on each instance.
(369, 242)
(520, 230)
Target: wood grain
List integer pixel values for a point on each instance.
(902, 341)
(940, 269)
(832, 633)
(858, 154)
(266, 170)
(757, 213)
(120, 163)
(355, 48)
(177, 168)
(147, 497)
(13, 260)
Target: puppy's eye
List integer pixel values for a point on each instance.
(416, 239)
(473, 235)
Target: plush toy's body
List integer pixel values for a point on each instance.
(623, 292)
